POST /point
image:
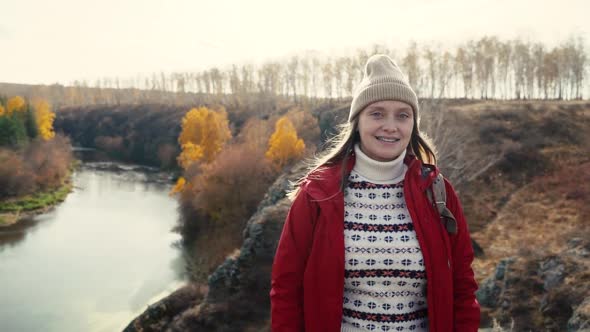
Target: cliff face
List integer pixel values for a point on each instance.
(236, 296)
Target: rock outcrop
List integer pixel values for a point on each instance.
(547, 293)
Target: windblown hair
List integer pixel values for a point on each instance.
(340, 147)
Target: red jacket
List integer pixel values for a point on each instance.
(307, 285)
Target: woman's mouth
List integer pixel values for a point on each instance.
(387, 139)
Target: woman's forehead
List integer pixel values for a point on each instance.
(386, 105)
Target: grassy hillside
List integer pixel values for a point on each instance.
(531, 212)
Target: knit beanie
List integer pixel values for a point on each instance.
(382, 80)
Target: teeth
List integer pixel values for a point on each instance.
(389, 140)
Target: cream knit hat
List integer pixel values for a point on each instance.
(383, 80)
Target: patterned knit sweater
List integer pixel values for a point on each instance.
(385, 280)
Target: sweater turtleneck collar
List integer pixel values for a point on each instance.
(381, 171)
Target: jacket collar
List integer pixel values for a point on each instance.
(324, 183)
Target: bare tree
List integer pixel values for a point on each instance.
(234, 81)
(305, 75)
(504, 59)
(463, 60)
(432, 59)
(350, 68)
(521, 60)
(327, 78)
(454, 142)
(445, 72)
(538, 57)
(315, 75)
(490, 55)
(361, 58)
(339, 70)
(411, 66)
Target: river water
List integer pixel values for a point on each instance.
(96, 260)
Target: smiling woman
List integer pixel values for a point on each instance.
(362, 248)
(385, 128)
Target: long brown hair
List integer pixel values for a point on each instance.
(340, 147)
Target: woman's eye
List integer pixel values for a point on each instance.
(404, 115)
(376, 114)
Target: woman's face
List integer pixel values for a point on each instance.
(385, 129)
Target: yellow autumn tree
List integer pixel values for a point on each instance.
(204, 132)
(190, 153)
(284, 146)
(44, 118)
(15, 104)
(179, 187)
(2, 111)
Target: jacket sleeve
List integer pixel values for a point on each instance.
(286, 294)
(465, 308)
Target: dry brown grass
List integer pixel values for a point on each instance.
(527, 199)
(476, 108)
(540, 217)
(211, 247)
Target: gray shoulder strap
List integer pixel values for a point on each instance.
(440, 200)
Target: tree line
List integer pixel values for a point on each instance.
(487, 68)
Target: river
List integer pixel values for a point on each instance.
(96, 260)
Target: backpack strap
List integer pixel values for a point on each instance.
(438, 197)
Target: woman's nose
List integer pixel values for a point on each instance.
(390, 124)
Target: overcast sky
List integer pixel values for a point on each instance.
(64, 40)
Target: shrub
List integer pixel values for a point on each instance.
(227, 193)
(521, 163)
(15, 177)
(49, 161)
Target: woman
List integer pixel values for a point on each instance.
(362, 248)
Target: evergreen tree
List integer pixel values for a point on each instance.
(12, 131)
(30, 123)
